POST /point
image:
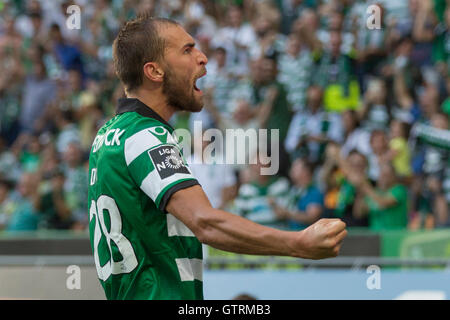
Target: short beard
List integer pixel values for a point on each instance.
(177, 95)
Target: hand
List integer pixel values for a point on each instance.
(281, 213)
(322, 240)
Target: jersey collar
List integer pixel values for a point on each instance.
(136, 105)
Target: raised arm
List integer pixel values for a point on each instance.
(229, 232)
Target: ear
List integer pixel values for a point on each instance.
(153, 72)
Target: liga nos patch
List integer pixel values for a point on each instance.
(167, 161)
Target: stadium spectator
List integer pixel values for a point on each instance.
(295, 67)
(274, 109)
(354, 167)
(336, 75)
(38, 92)
(252, 201)
(10, 168)
(434, 141)
(236, 36)
(306, 200)
(371, 47)
(76, 184)
(379, 153)
(218, 86)
(291, 10)
(25, 216)
(68, 131)
(51, 203)
(265, 24)
(6, 205)
(355, 137)
(375, 110)
(311, 129)
(399, 152)
(386, 204)
(67, 55)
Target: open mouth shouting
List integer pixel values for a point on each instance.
(196, 89)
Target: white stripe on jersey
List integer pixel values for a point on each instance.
(190, 269)
(176, 227)
(152, 185)
(138, 143)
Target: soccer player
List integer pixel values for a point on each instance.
(148, 214)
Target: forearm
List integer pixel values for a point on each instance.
(359, 208)
(265, 108)
(263, 113)
(229, 232)
(404, 99)
(420, 32)
(382, 201)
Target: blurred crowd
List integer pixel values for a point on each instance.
(363, 113)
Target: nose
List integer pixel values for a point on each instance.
(202, 59)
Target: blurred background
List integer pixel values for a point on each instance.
(363, 116)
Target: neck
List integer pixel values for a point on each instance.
(155, 100)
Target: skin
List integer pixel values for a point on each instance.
(385, 182)
(218, 228)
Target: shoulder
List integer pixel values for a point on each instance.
(145, 134)
(314, 193)
(132, 133)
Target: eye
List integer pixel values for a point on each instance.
(188, 50)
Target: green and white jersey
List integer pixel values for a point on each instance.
(140, 250)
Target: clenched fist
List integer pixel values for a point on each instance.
(321, 240)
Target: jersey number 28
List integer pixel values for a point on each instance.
(129, 261)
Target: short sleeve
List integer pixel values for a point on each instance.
(156, 164)
(316, 197)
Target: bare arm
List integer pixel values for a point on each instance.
(360, 208)
(265, 108)
(382, 201)
(211, 107)
(420, 31)
(229, 232)
(403, 97)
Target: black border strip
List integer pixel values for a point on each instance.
(179, 186)
(136, 105)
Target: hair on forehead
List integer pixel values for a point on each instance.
(139, 41)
